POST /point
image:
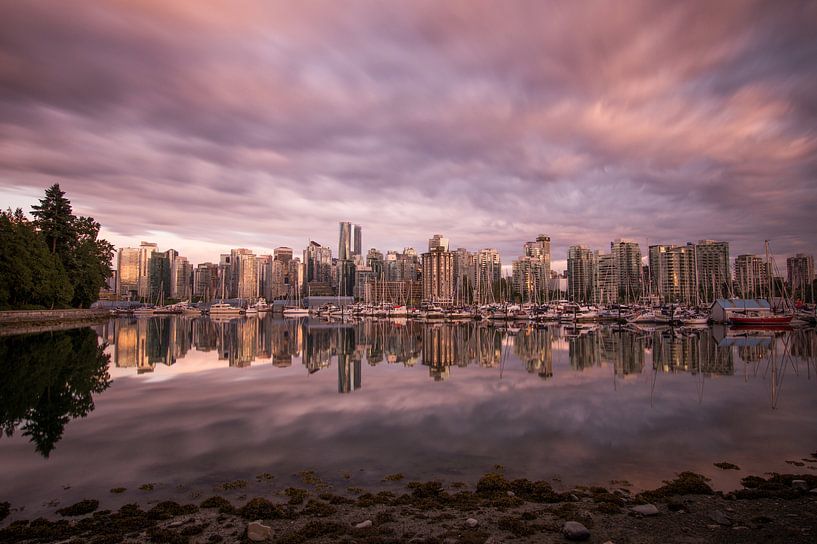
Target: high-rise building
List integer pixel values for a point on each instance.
(243, 274)
(539, 250)
(181, 279)
(752, 276)
(357, 245)
(627, 268)
(345, 241)
(374, 261)
(438, 241)
(263, 264)
(205, 281)
(438, 275)
(146, 251)
(714, 271)
(129, 272)
(318, 263)
(346, 277)
(282, 254)
(673, 273)
(489, 268)
(133, 273)
(605, 278)
(465, 273)
(159, 276)
(800, 273)
(531, 272)
(580, 272)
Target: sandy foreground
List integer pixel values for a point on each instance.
(774, 508)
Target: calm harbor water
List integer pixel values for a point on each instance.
(188, 403)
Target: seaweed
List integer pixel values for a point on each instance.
(80, 508)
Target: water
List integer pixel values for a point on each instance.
(188, 403)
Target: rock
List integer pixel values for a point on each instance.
(609, 542)
(574, 498)
(511, 494)
(720, 518)
(813, 491)
(799, 484)
(175, 524)
(364, 524)
(573, 530)
(258, 532)
(739, 527)
(471, 522)
(450, 540)
(645, 509)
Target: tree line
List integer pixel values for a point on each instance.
(56, 260)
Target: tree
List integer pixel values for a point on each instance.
(75, 242)
(55, 220)
(30, 276)
(92, 261)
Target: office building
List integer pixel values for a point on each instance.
(580, 272)
(438, 273)
(714, 270)
(627, 269)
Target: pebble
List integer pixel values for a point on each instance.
(364, 524)
(720, 518)
(511, 494)
(573, 530)
(471, 522)
(799, 484)
(645, 509)
(175, 524)
(258, 532)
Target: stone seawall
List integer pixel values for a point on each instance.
(50, 316)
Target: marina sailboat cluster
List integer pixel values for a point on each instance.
(680, 285)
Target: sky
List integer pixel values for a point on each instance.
(206, 126)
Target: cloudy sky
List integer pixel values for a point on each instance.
(211, 125)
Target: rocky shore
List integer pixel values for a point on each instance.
(776, 508)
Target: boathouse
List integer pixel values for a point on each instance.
(723, 308)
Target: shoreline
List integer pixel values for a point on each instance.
(777, 508)
(32, 321)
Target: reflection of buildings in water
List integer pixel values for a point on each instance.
(438, 349)
(236, 340)
(533, 347)
(317, 346)
(349, 361)
(623, 349)
(134, 345)
(285, 337)
(264, 334)
(695, 352)
(487, 346)
(205, 335)
(584, 350)
(803, 343)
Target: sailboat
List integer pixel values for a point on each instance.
(222, 308)
(297, 310)
(756, 318)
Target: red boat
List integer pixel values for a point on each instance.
(760, 319)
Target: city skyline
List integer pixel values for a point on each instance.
(202, 131)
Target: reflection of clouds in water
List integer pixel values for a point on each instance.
(614, 419)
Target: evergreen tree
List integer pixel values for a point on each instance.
(30, 276)
(74, 242)
(55, 220)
